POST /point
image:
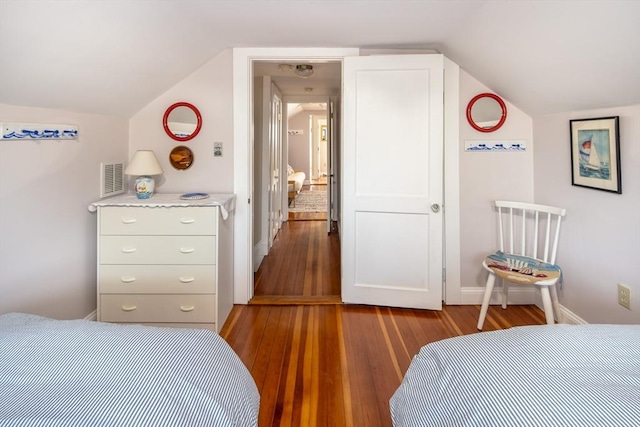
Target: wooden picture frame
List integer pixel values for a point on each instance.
(595, 153)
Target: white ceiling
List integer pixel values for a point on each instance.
(114, 57)
(325, 80)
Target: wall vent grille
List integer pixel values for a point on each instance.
(111, 179)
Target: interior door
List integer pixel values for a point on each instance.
(275, 156)
(329, 156)
(392, 180)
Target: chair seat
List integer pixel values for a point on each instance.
(522, 269)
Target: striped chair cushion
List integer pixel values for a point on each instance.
(521, 269)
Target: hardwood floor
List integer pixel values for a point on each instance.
(317, 362)
(338, 365)
(303, 262)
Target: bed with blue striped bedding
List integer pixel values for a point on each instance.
(551, 376)
(83, 373)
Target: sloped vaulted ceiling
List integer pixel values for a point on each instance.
(114, 57)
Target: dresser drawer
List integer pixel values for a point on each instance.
(158, 308)
(157, 279)
(158, 221)
(157, 250)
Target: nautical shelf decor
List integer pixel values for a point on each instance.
(494, 145)
(27, 131)
(595, 154)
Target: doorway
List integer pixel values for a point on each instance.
(243, 134)
(299, 260)
(307, 157)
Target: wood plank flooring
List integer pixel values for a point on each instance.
(303, 262)
(317, 362)
(338, 365)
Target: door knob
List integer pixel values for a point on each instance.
(435, 208)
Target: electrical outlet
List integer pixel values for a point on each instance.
(624, 296)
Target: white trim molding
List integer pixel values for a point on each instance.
(570, 317)
(259, 252)
(472, 295)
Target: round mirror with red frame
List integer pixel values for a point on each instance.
(182, 121)
(486, 112)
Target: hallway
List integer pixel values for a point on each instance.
(302, 266)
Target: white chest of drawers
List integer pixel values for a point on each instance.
(167, 265)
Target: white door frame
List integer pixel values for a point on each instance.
(452, 288)
(276, 169)
(243, 150)
(243, 166)
(296, 99)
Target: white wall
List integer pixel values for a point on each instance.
(299, 150)
(484, 177)
(600, 240)
(209, 89)
(48, 237)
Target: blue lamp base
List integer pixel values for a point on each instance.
(145, 185)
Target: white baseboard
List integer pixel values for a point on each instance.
(472, 295)
(259, 252)
(92, 316)
(570, 317)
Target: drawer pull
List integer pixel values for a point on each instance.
(129, 220)
(187, 220)
(187, 250)
(128, 250)
(127, 279)
(128, 307)
(187, 308)
(187, 279)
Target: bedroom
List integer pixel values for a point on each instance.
(48, 242)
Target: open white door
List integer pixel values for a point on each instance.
(275, 160)
(393, 180)
(329, 156)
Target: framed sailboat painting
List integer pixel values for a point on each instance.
(595, 154)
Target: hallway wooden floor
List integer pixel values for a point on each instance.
(331, 364)
(304, 263)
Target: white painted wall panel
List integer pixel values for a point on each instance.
(392, 250)
(47, 235)
(484, 177)
(403, 129)
(210, 90)
(600, 239)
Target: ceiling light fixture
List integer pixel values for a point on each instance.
(285, 67)
(304, 70)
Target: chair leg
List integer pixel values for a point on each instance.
(505, 293)
(485, 301)
(555, 303)
(548, 307)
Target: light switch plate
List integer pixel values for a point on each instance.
(217, 149)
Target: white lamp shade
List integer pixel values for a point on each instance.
(144, 162)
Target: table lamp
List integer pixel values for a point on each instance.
(144, 164)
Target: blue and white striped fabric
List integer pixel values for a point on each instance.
(90, 374)
(542, 376)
